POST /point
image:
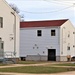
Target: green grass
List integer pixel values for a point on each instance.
(65, 64)
(29, 62)
(36, 69)
(3, 64)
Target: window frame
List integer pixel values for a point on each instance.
(53, 33)
(39, 33)
(1, 22)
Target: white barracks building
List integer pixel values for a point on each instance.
(52, 40)
(9, 31)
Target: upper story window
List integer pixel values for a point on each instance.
(1, 22)
(39, 32)
(53, 33)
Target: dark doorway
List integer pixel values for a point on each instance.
(51, 54)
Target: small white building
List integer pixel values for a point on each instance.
(52, 40)
(9, 31)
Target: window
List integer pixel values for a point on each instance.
(52, 32)
(1, 22)
(68, 48)
(73, 45)
(73, 32)
(2, 46)
(68, 35)
(39, 33)
(0, 39)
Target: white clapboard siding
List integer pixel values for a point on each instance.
(28, 39)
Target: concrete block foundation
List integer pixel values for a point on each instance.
(44, 58)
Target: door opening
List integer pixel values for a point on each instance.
(1, 49)
(51, 54)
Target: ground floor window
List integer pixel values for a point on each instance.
(68, 48)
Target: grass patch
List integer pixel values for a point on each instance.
(3, 64)
(66, 64)
(29, 62)
(36, 69)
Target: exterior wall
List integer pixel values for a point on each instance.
(65, 41)
(8, 28)
(32, 46)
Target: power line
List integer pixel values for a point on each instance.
(58, 2)
(47, 12)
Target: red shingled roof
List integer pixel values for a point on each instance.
(42, 23)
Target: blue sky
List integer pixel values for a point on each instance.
(46, 9)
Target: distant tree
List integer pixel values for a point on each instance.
(16, 9)
(22, 17)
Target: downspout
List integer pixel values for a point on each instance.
(14, 31)
(62, 42)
